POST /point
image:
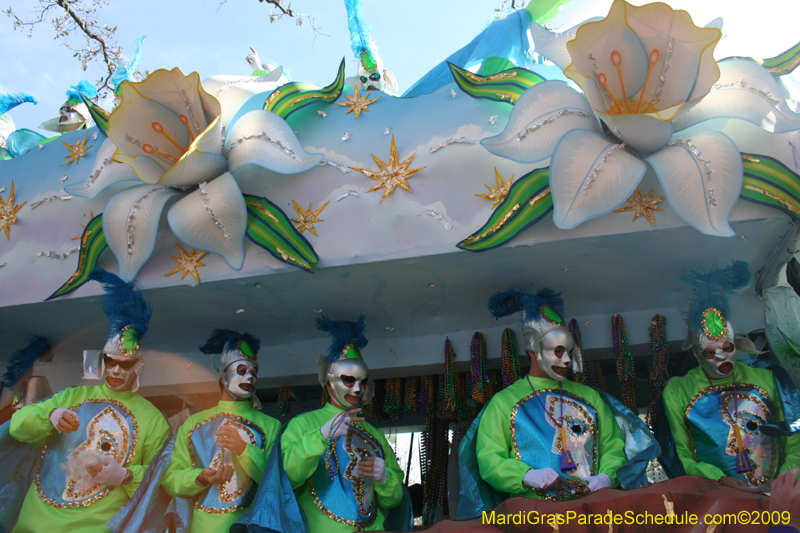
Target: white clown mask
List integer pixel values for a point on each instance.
(121, 373)
(349, 379)
(714, 344)
(554, 353)
(239, 378)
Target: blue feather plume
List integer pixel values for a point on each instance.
(22, 361)
(713, 288)
(515, 300)
(11, 100)
(220, 337)
(83, 88)
(124, 71)
(343, 332)
(360, 38)
(123, 303)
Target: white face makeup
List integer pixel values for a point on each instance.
(119, 372)
(239, 379)
(717, 359)
(554, 353)
(349, 379)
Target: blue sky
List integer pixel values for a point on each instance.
(412, 36)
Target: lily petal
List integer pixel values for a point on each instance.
(541, 116)
(181, 94)
(595, 44)
(263, 138)
(642, 132)
(590, 177)
(192, 219)
(234, 91)
(553, 45)
(105, 172)
(702, 178)
(131, 218)
(745, 91)
(685, 53)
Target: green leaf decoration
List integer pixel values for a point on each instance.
(789, 342)
(292, 97)
(99, 115)
(527, 202)
(506, 86)
(769, 182)
(779, 65)
(93, 242)
(270, 228)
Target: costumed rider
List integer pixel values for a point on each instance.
(372, 75)
(74, 114)
(545, 437)
(342, 469)
(220, 453)
(97, 440)
(727, 415)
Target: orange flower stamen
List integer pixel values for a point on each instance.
(185, 121)
(616, 59)
(604, 82)
(160, 129)
(653, 60)
(150, 150)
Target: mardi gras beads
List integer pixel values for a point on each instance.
(580, 377)
(509, 357)
(479, 375)
(625, 368)
(410, 395)
(393, 402)
(284, 401)
(447, 404)
(658, 372)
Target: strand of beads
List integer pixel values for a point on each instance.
(284, 401)
(596, 377)
(394, 398)
(580, 377)
(625, 369)
(447, 405)
(464, 397)
(480, 377)
(658, 372)
(410, 404)
(510, 358)
(325, 397)
(427, 395)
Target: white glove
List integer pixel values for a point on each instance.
(537, 479)
(63, 418)
(598, 482)
(112, 474)
(379, 472)
(338, 424)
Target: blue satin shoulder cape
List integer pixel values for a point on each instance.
(17, 469)
(275, 508)
(476, 496)
(151, 509)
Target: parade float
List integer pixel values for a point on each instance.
(602, 161)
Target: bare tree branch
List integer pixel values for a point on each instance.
(78, 16)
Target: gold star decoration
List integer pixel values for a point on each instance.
(642, 206)
(391, 175)
(187, 263)
(91, 216)
(497, 194)
(307, 218)
(357, 103)
(76, 151)
(8, 211)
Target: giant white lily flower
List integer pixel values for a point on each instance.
(646, 73)
(167, 130)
